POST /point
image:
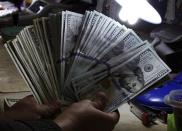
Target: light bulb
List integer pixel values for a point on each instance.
(132, 20)
(123, 15)
(132, 10)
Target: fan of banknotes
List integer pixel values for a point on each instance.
(71, 56)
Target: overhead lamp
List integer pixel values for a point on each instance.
(133, 10)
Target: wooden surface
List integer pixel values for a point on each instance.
(129, 122)
(10, 79)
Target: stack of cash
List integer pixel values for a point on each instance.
(70, 56)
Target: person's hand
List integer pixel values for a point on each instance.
(87, 115)
(28, 109)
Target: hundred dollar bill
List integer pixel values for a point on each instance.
(130, 78)
(72, 29)
(40, 25)
(49, 70)
(54, 25)
(115, 31)
(120, 44)
(96, 20)
(118, 59)
(86, 18)
(102, 70)
(94, 32)
(40, 86)
(62, 64)
(26, 50)
(136, 75)
(89, 21)
(92, 21)
(41, 31)
(98, 34)
(123, 44)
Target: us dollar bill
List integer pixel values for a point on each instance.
(136, 75)
(107, 40)
(94, 32)
(120, 43)
(125, 43)
(54, 25)
(102, 70)
(72, 29)
(91, 25)
(89, 22)
(130, 78)
(49, 76)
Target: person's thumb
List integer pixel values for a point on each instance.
(100, 101)
(114, 116)
(49, 110)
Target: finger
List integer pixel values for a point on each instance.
(29, 96)
(111, 117)
(100, 101)
(30, 99)
(49, 110)
(45, 111)
(114, 116)
(56, 105)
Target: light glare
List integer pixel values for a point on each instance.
(132, 10)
